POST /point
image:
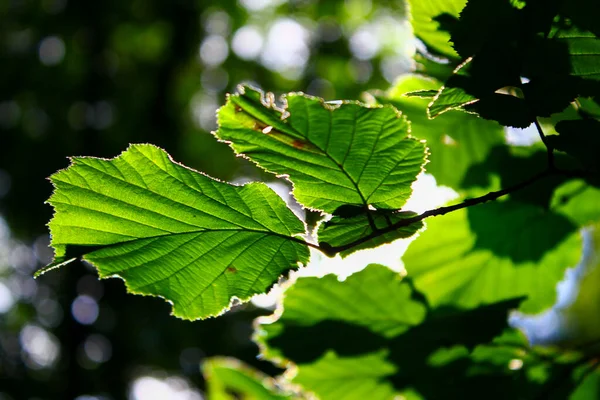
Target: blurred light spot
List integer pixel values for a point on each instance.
(247, 42)
(286, 50)
(268, 300)
(214, 50)
(22, 258)
(257, 5)
(204, 108)
(84, 310)
(22, 287)
(151, 388)
(214, 80)
(51, 50)
(364, 43)
(49, 312)
(6, 298)
(217, 23)
(5, 183)
(9, 114)
(42, 250)
(393, 66)
(360, 70)
(358, 9)
(515, 364)
(190, 358)
(97, 348)
(41, 348)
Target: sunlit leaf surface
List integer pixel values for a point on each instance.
(334, 153)
(494, 252)
(457, 140)
(172, 232)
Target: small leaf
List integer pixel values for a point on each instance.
(457, 140)
(335, 154)
(230, 379)
(340, 231)
(172, 232)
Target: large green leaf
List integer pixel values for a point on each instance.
(172, 232)
(335, 154)
(229, 379)
(371, 337)
(425, 19)
(457, 140)
(493, 252)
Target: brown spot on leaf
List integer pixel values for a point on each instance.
(299, 144)
(232, 269)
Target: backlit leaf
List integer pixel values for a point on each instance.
(493, 252)
(172, 232)
(335, 154)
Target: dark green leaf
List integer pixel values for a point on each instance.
(581, 140)
(172, 232)
(370, 337)
(340, 231)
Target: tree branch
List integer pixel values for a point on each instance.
(444, 210)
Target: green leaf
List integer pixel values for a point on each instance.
(493, 252)
(457, 140)
(335, 154)
(425, 19)
(340, 231)
(581, 140)
(449, 98)
(578, 201)
(371, 337)
(172, 232)
(352, 378)
(584, 52)
(230, 379)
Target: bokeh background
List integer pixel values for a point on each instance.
(88, 78)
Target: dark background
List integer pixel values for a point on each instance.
(88, 78)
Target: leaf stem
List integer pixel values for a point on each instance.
(549, 148)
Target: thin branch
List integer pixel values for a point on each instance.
(444, 210)
(549, 149)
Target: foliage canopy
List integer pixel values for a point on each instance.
(204, 245)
